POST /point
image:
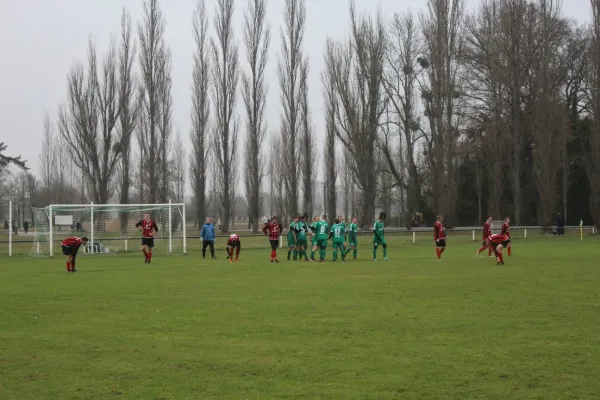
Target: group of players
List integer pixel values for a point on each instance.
(319, 232)
(300, 233)
(495, 243)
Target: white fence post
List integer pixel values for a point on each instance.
(473, 234)
(10, 228)
(525, 232)
(92, 226)
(170, 235)
(184, 231)
(414, 237)
(51, 235)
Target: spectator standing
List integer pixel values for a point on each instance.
(207, 235)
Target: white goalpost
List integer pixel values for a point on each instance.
(110, 228)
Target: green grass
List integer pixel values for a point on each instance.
(411, 328)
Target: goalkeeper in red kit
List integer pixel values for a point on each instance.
(487, 232)
(148, 228)
(439, 236)
(70, 247)
(506, 231)
(233, 245)
(273, 229)
(497, 242)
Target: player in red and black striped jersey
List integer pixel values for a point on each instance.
(233, 244)
(497, 242)
(506, 231)
(439, 236)
(70, 247)
(273, 229)
(148, 228)
(487, 232)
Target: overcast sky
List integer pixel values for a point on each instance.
(40, 39)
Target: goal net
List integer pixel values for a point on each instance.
(110, 228)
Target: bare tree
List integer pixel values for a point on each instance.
(129, 105)
(331, 111)
(546, 48)
(254, 91)
(47, 159)
(574, 95)
(593, 156)
(165, 124)
(513, 15)
(442, 25)
(307, 154)
(403, 67)
(277, 177)
(200, 111)
(356, 71)
(225, 74)
(177, 168)
(154, 57)
(289, 70)
(485, 91)
(87, 123)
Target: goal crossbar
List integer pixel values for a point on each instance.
(99, 207)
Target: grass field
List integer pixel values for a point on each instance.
(411, 328)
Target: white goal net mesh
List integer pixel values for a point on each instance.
(109, 228)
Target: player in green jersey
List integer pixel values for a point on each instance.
(301, 237)
(353, 237)
(313, 237)
(322, 236)
(292, 237)
(379, 237)
(338, 234)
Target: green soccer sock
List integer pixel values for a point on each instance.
(374, 253)
(289, 254)
(295, 255)
(335, 253)
(312, 254)
(385, 252)
(355, 252)
(322, 254)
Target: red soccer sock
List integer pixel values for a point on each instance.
(145, 254)
(149, 256)
(68, 266)
(481, 249)
(273, 254)
(509, 250)
(489, 251)
(442, 250)
(437, 252)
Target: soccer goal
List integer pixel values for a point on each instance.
(110, 228)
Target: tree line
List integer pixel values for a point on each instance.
(441, 112)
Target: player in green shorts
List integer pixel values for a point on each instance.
(291, 238)
(338, 234)
(379, 237)
(313, 237)
(353, 237)
(322, 236)
(302, 237)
